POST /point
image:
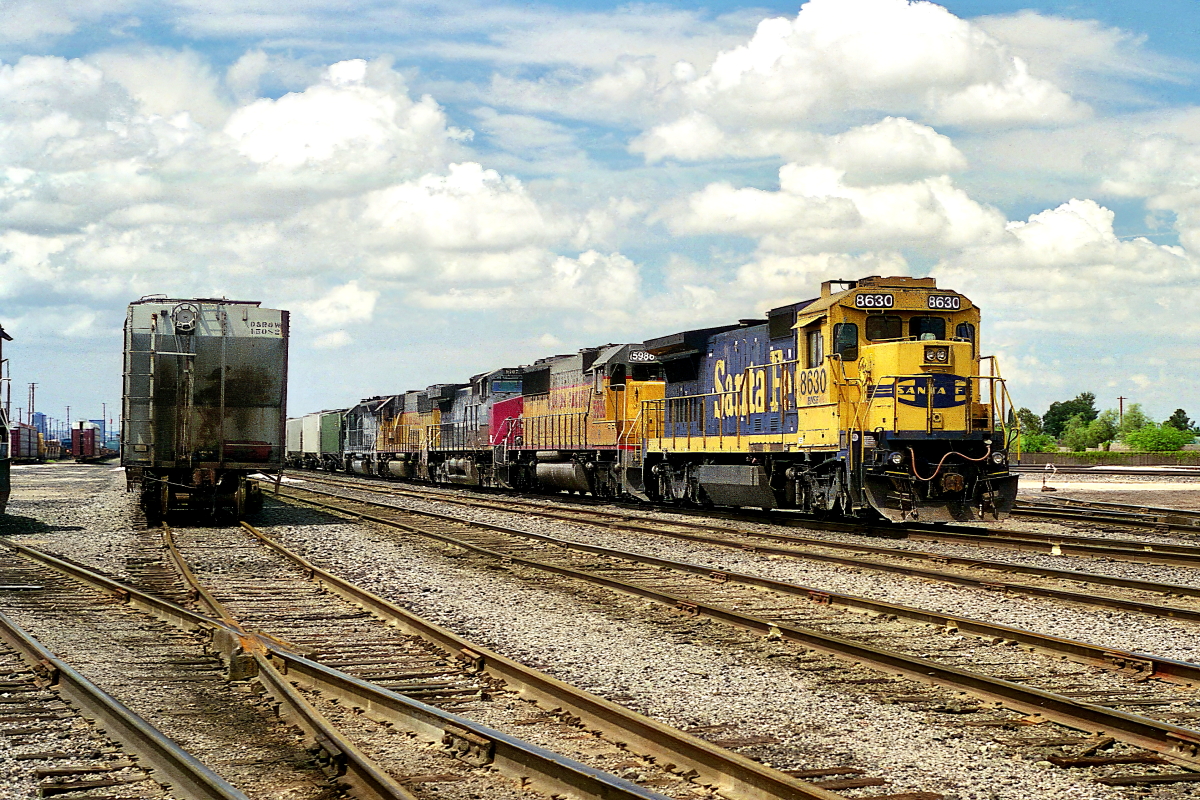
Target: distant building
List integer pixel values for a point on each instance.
(39, 421)
(99, 423)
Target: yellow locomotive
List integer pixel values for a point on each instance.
(871, 397)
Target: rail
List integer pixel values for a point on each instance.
(189, 779)
(736, 775)
(1180, 744)
(524, 762)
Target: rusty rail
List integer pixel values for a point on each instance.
(189, 779)
(1178, 743)
(546, 771)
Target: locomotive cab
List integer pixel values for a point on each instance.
(932, 447)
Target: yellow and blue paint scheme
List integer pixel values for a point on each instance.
(804, 408)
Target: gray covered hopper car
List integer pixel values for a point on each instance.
(204, 405)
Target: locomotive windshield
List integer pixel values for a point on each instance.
(924, 328)
(646, 372)
(884, 326)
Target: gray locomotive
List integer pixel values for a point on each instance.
(204, 406)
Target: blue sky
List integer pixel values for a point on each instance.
(437, 189)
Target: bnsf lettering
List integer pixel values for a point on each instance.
(874, 301)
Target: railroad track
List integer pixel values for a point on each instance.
(1068, 585)
(333, 762)
(235, 576)
(1113, 700)
(736, 776)
(1165, 520)
(1054, 469)
(50, 713)
(1107, 546)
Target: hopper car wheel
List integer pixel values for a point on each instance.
(151, 504)
(240, 499)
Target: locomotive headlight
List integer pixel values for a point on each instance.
(937, 355)
(896, 458)
(999, 458)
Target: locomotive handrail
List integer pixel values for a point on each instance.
(993, 394)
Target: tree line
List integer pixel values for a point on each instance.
(1077, 424)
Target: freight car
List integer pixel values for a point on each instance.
(204, 403)
(868, 400)
(314, 441)
(87, 446)
(5, 474)
(27, 446)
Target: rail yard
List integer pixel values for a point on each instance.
(716, 564)
(740, 654)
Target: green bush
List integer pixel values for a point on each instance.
(1157, 439)
(1038, 443)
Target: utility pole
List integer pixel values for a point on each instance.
(1121, 409)
(4, 337)
(32, 406)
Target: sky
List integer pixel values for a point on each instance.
(435, 189)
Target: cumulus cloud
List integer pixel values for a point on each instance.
(592, 282)
(884, 54)
(1068, 263)
(114, 183)
(1162, 167)
(167, 82)
(894, 148)
(359, 118)
(341, 305)
(841, 58)
(469, 208)
(332, 340)
(815, 209)
(1082, 55)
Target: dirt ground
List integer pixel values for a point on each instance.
(1163, 493)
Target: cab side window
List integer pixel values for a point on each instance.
(926, 328)
(845, 340)
(816, 349)
(965, 331)
(884, 326)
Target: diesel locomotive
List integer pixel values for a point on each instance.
(204, 403)
(870, 400)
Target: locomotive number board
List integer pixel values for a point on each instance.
(883, 300)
